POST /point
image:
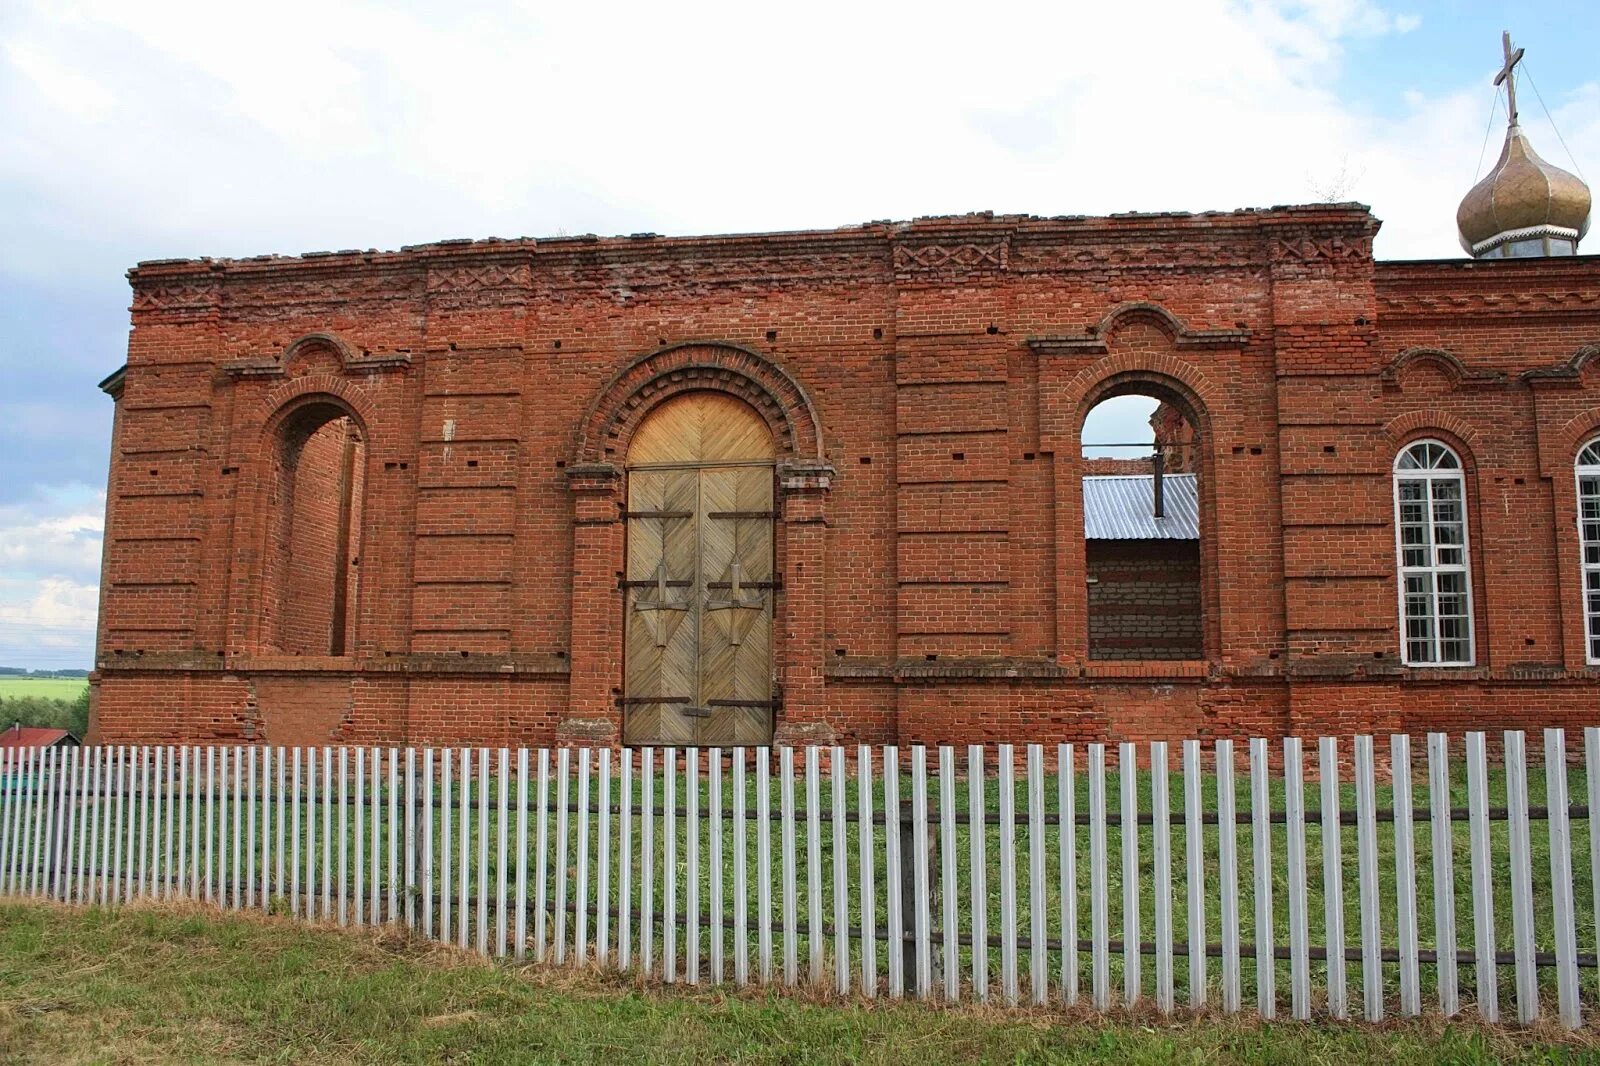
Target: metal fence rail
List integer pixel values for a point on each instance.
(961, 875)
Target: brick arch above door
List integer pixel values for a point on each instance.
(627, 399)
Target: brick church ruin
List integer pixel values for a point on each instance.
(832, 486)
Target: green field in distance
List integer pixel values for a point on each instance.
(51, 688)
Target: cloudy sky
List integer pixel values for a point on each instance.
(154, 129)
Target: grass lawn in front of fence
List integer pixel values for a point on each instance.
(167, 983)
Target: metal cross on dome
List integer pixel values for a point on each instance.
(737, 602)
(1508, 74)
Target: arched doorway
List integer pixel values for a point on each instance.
(311, 564)
(700, 580)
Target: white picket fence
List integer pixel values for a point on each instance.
(651, 865)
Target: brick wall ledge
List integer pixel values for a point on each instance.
(999, 669)
(441, 664)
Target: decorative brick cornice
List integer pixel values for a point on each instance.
(805, 475)
(1461, 375)
(270, 366)
(951, 260)
(1092, 339)
(1569, 372)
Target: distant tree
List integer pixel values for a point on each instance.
(46, 713)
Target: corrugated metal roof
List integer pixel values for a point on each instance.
(1119, 507)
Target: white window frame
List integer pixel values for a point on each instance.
(1591, 619)
(1429, 476)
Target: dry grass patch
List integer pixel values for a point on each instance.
(178, 983)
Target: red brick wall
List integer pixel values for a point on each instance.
(934, 580)
(1144, 599)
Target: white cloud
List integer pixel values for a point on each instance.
(234, 130)
(49, 569)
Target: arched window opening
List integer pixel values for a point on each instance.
(1588, 473)
(1430, 499)
(1141, 519)
(314, 537)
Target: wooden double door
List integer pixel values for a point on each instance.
(699, 585)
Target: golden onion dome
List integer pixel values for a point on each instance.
(1523, 199)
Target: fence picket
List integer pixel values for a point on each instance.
(867, 863)
(741, 913)
(463, 850)
(895, 949)
(153, 876)
(1228, 874)
(211, 821)
(978, 872)
(1194, 874)
(251, 769)
(624, 865)
(481, 877)
(540, 858)
(520, 936)
(602, 906)
(408, 867)
(647, 886)
(1067, 846)
(790, 915)
(359, 891)
(1483, 943)
(1405, 875)
(9, 784)
(1161, 856)
(563, 783)
(1527, 982)
(344, 834)
(580, 932)
(1128, 829)
(83, 760)
(1007, 787)
(138, 869)
(328, 801)
(764, 864)
(427, 840)
(669, 867)
(1261, 870)
(122, 890)
(691, 847)
(265, 851)
(1294, 793)
(921, 920)
(950, 920)
(1591, 767)
(50, 782)
(374, 857)
(715, 869)
(841, 873)
(1038, 948)
(1367, 865)
(502, 825)
(395, 842)
(1332, 876)
(1099, 888)
(1563, 912)
(1444, 890)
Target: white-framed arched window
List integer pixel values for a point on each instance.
(1430, 506)
(1588, 474)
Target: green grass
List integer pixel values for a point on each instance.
(49, 688)
(146, 984)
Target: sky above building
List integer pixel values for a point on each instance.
(158, 130)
